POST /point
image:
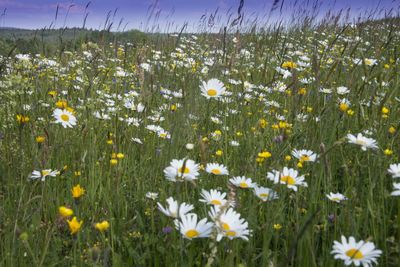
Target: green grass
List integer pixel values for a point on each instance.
(33, 234)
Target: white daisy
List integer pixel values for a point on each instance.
(234, 143)
(175, 210)
(265, 193)
(287, 176)
(342, 90)
(396, 192)
(154, 128)
(229, 224)
(336, 197)
(370, 61)
(63, 116)
(152, 195)
(242, 182)
(145, 66)
(325, 90)
(137, 140)
(213, 88)
(213, 197)
(43, 174)
(190, 228)
(355, 252)
(394, 170)
(363, 141)
(182, 169)
(164, 134)
(217, 169)
(304, 155)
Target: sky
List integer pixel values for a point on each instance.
(167, 15)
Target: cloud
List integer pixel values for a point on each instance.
(73, 8)
(21, 6)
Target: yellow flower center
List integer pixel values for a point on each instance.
(231, 233)
(354, 254)
(211, 92)
(264, 195)
(192, 233)
(243, 185)
(305, 158)
(215, 202)
(65, 117)
(343, 107)
(288, 180)
(185, 171)
(368, 62)
(335, 199)
(215, 171)
(361, 142)
(225, 226)
(45, 173)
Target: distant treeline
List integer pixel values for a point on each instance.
(51, 41)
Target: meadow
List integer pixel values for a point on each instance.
(258, 148)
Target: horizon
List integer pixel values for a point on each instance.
(171, 15)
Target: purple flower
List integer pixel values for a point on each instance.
(167, 230)
(279, 139)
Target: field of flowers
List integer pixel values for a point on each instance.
(255, 149)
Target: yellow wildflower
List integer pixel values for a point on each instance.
(289, 65)
(264, 154)
(102, 226)
(388, 152)
(219, 153)
(299, 165)
(52, 93)
(40, 139)
(77, 191)
(262, 123)
(385, 110)
(302, 91)
(65, 212)
(74, 225)
(21, 119)
(61, 104)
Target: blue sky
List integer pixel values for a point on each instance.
(35, 14)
